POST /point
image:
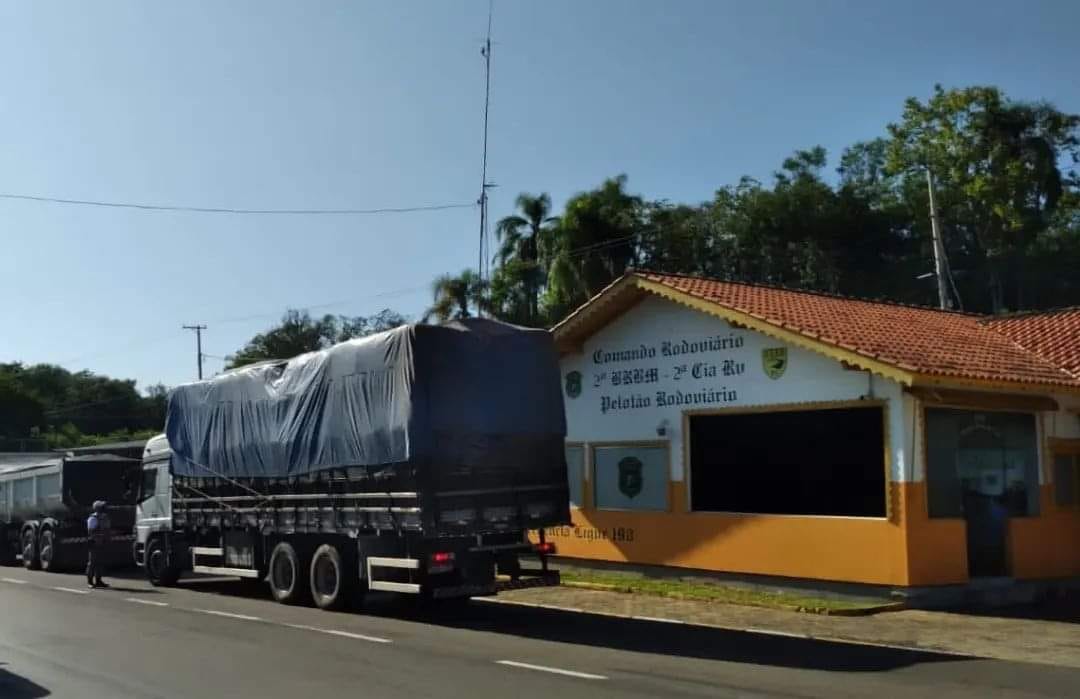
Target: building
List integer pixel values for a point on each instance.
(756, 430)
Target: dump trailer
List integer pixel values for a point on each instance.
(416, 460)
(45, 500)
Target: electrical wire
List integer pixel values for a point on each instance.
(230, 210)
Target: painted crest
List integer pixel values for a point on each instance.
(774, 361)
(573, 384)
(631, 476)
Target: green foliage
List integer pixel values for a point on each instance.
(298, 333)
(45, 406)
(457, 297)
(1007, 191)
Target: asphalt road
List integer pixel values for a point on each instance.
(211, 639)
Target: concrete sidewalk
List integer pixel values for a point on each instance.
(1003, 637)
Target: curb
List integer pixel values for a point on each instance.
(868, 610)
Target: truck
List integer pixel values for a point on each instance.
(425, 460)
(45, 499)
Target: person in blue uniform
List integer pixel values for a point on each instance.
(97, 533)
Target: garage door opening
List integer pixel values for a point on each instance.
(798, 462)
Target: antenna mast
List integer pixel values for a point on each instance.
(486, 53)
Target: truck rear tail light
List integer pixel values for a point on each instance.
(545, 548)
(441, 562)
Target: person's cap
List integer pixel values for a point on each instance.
(99, 504)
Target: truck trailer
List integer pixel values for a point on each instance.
(416, 460)
(45, 500)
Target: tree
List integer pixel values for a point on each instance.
(595, 242)
(298, 333)
(996, 164)
(525, 242)
(456, 297)
(361, 326)
(20, 412)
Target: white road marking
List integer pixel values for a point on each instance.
(335, 632)
(13, 581)
(244, 617)
(771, 632)
(72, 590)
(148, 602)
(657, 618)
(553, 670)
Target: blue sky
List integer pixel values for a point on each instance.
(377, 104)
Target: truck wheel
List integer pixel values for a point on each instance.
(330, 579)
(286, 575)
(156, 563)
(30, 549)
(47, 553)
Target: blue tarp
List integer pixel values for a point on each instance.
(471, 394)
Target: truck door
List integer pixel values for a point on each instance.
(153, 510)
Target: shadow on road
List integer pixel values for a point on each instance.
(664, 638)
(13, 686)
(624, 634)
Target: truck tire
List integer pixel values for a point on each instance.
(29, 544)
(287, 575)
(48, 551)
(156, 564)
(331, 578)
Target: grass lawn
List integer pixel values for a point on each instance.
(709, 592)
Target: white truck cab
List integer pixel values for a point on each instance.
(153, 512)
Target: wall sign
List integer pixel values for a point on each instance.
(685, 371)
(573, 384)
(774, 361)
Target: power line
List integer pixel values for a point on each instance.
(230, 210)
(328, 304)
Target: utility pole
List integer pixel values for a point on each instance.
(486, 53)
(198, 344)
(940, 262)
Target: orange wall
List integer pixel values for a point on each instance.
(936, 548)
(1047, 546)
(827, 548)
(907, 549)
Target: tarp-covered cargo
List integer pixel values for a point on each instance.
(469, 398)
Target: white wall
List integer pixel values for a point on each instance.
(607, 412)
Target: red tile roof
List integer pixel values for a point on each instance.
(919, 341)
(1053, 335)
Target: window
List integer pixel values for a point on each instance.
(575, 472)
(799, 462)
(23, 492)
(1067, 480)
(979, 458)
(3, 499)
(631, 477)
(48, 489)
(149, 483)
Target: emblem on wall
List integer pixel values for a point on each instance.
(573, 384)
(774, 361)
(631, 476)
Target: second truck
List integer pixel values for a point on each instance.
(418, 460)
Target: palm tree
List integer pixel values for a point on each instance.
(454, 296)
(528, 239)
